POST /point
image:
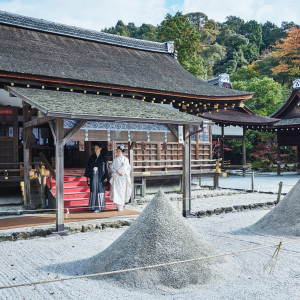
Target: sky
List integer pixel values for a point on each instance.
(98, 14)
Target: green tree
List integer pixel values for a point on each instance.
(234, 57)
(269, 94)
(206, 28)
(119, 29)
(234, 23)
(186, 41)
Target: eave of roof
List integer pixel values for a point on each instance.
(288, 122)
(286, 104)
(98, 107)
(232, 116)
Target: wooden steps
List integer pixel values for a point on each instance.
(77, 193)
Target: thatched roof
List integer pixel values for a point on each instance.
(50, 50)
(99, 107)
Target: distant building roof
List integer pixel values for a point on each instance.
(43, 49)
(239, 117)
(221, 80)
(291, 107)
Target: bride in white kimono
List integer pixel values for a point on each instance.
(120, 181)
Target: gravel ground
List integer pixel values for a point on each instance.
(55, 256)
(211, 199)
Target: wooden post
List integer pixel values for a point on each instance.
(186, 173)
(244, 152)
(27, 135)
(197, 142)
(210, 142)
(279, 160)
(130, 157)
(59, 166)
(222, 147)
(279, 192)
(298, 163)
(252, 182)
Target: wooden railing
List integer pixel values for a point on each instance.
(173, 167)
(12, 172)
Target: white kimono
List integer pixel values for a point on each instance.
(120, 191)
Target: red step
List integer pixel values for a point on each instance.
(77, 193)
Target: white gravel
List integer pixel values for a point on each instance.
(46, 258)
(284, 218)
(211, 199)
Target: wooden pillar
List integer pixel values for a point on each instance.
(88, 151)
(130, 157)
(244, 152)
(59, 166)
(298, 162)
(197, 128)
(222, 147)
(186, 173)
(279, 159)
(210, 141)
(27, 136)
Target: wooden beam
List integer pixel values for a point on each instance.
(222, 147)
(87, 85)
(130, 157)
(73, 131)
(27, 134)
(244, 151)
(59, 156)
(173, 130)
(52, 126)
(197, 128)
(298, 162)
(38, 121)
(186, 173)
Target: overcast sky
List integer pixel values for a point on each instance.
(98, 14)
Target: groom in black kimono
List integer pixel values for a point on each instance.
(97, 176)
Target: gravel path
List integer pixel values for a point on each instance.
(46, 258)
(212, 199)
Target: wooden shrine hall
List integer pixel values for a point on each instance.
(233, 119)
(288, 128)
(62, 73)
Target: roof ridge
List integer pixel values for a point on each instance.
(87, 34)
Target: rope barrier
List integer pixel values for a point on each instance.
(151, 266)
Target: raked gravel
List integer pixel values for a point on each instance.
(46, 258)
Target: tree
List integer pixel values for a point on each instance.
(252, 31)
(234, 23)
(119, 29)
(287, 51)
(234, 57)
(270, 34)
(186, 41)
(269, 94)
(206, 28)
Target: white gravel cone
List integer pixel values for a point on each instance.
(284, 218)
(159, 235)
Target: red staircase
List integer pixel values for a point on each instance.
(77, 193)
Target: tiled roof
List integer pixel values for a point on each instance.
(99, 107)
